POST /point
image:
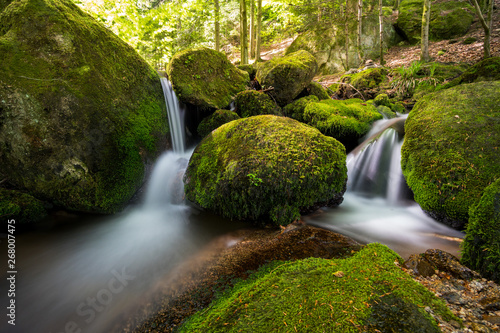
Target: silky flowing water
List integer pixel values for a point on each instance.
(87, 273)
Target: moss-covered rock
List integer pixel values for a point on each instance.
(347, 120)
(254, 103)
(250, 69)
(481, 247)
(289, 75)
(216, 119)
(81, 113)
(315, 89)
(205, 78)
(367, 292)
(296, 109)
(451, 152)
(382, 99)
(266, 168)
(369, 83)
(485, 70)
(448, 19)
(386, 112)
(20, 206)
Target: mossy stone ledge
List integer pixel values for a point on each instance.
(266, 169)
(205, 78)
(481, 247)
(451, 150)
(81, 113)
(289, 75)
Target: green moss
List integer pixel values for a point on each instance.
(253, 103)
(386, 112)
(372, 78)
(299, 168)
(216, 119)
(382, 99)
(481, 247)
(250, 69)
(365, 292)
(450, 153)
(82, 113)
(347, 120)
(205, 78)
(289, 75)
(448, 19)
(296, 109)
(469, 40)
(315, 89)
(398, 107)
(20, 206)
(485, 70)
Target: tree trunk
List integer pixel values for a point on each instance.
(426, 15)
(243, 32)
(360, 18)
(252, 29)
(381, 31)
(486, 26)
(346, 42)
(217, 26)
(257, 32)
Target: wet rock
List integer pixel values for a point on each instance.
(419, 265)
(450, 264)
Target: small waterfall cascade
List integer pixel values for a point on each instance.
(175, 117)
(374, 167)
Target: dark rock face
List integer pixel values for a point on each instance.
(81, 113)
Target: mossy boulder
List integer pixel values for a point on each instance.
(481, 247)
(254, 103)
(367, 292)
(289, 75)
(216, 119)
(20, 206)
(347, 120)
(369, 83)
(296, 109)
(485, 70)
(81, 113)
(451, 149)
(386, 112)
(266, 169)
(448, 19)
(250, 69)
(205, 78)
(382, 99)
(315, 89)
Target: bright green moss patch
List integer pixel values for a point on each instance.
(365, 292)
(266, 168)
(296, 109)
(254, 103)
(205, 78)
(316, 89)
(485, 70)
(215, 120)
(289, 75)
(81, 112)
(481, 247)
(346, 120)
(21, 207)
(369, 79)
(451, 149)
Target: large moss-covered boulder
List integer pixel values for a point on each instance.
(485, 70)
(481, 247)
(205, 78)
(367, 292)
(347, 120)
(289, 75)
(21, 207)
(255, 103)
(327, 42)
(216, 119)
(451, 150)
(266, 168)
(81, 113)
(448, 19)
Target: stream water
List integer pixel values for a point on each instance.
(89, 272)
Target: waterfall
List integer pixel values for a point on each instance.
(175, 117)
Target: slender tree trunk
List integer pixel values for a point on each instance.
(346, 42)
(381, 31)
(252, 29)
(360, 21)
(257, 32)
(243, 32)
(217, 26)
(424, 46)
(486, 26)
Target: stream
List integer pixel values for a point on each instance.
(84, 273)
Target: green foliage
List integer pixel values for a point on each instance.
(20, 206)
(406, 79)
(451, 153)
(481, 247)
(365, 292)
(254, 103)
(254, 180)
(346, 120)
(216, 119)
(299, 167)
